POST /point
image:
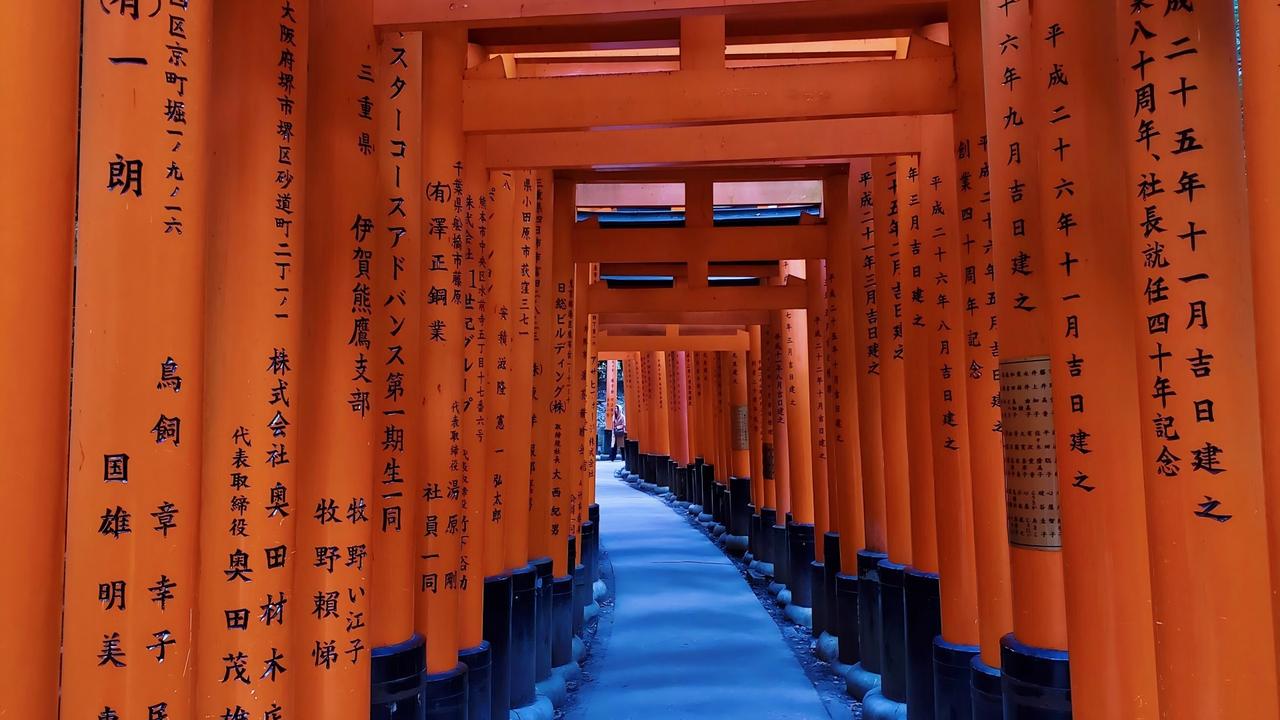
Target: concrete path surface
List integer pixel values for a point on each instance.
(687, 638)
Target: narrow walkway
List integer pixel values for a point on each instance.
(688, 638)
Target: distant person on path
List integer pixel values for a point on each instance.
(619, 427)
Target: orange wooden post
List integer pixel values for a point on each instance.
(39, 46)
(133, 504)
(755, 415)
(1038, 599)
(337, 386)
(815, 274)
(680, 409)
(469, 431)
(1098, 430)
(1258, 21)
(796, 394)
(397, 274)
(561, 403)
(661, 445)
(610, 394)
(543, 381)
(520, 358)
(740, 447)
(781, 450)
(253, 339)
(1197, 365)
(920, 581)
(583, 406)
(957, 566)
(885, 580)
(447, 610)
(845, 470)
(769, 405)
(981, 360)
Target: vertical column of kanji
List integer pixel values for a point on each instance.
(815, 273)
(134, 500)
(740, 461)
(696, 441)
(253, 330)
(1092, 346)
(724, 419)
(981, 358)
(781, 431)
(661, 406)
(1197, 366)
(593, 405)
(958, 582)
(610, 394)
(1258, 22)
(1039, 615)
(443, 555)
(561, 402)
(497, 365)
(796, 393)
(521, 358)
(335, 459)
(675, 423)
(884, 578)
(755, 415)
(397, 275)
(584, 406)
(543, 381)
(39, 46)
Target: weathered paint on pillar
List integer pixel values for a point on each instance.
(253, 339)
(981, 348)
(739, 418)
(867, 343)
(440, 615)
(1197, 367)
(958, 581)
(336, 384)
(1039, 613)
(916, 319)
(396, 374)
(893, 402)
(584, 407)
(39, 47)
(133, 504)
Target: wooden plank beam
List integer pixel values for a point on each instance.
(608, 342)
(810, 173)
(919, 86)
(602, 299)
(681, 270)
(681, 317)
(592, 243)
(709, 144)
(751, 193)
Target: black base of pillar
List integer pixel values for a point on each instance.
(397, 679)
(951, 694)
(799, 555)
(817, 576)
(830, 568)
(479, 662)
(593, 514)
(590, 545)
(846, 618)
(581, 598)
(524, 663)
(924, 623)
(497, 632)
(877, 706)
(447, 694)
(542, 616)
(781, 556)
(986, 694)
(1036, 682)
(764, 544)
(740, 506)
(893, 624)
(870, 637)
(562, 621)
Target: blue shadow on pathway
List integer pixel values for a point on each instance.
(687, 638)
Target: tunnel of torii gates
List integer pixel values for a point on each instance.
(302, 334)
